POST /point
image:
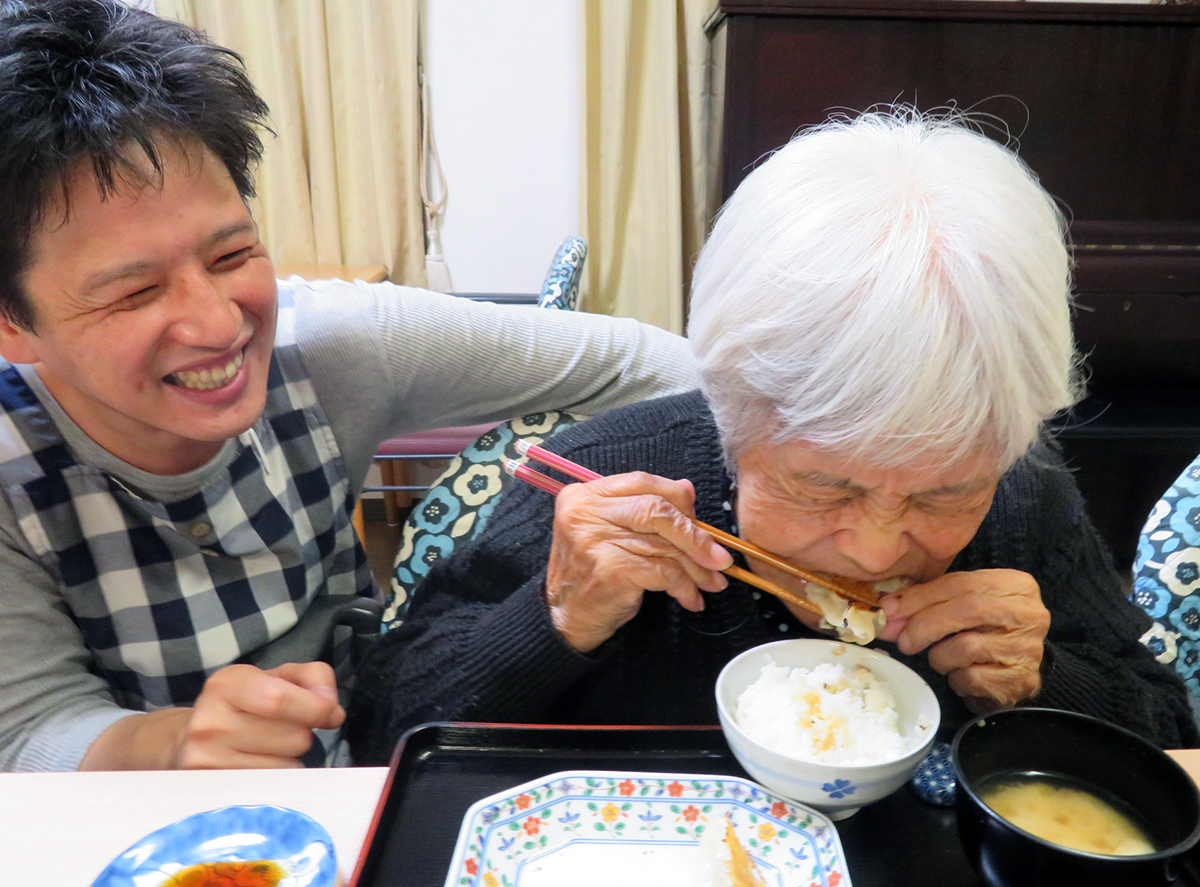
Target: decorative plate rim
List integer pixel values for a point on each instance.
(772, 826)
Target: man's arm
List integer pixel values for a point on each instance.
(244, 717)
(389, 360)
(52, 707)
(55, 714)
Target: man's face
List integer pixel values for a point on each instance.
(155, 312)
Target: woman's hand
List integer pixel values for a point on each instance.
(985, 630)
(619, 536)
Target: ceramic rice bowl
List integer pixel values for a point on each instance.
(838, 790)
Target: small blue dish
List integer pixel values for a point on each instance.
(231, 834)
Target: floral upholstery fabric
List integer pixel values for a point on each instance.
(561, 288)
(1166, 577)
(460, 501)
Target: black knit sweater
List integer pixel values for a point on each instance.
(478, 643)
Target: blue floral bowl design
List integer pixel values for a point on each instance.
(297, 843)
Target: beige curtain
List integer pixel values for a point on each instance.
(339, 184)
(642, 182)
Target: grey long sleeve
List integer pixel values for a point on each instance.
(447, 361)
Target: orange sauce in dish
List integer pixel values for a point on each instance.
(259, 873)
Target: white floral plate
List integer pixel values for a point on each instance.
(603, 828)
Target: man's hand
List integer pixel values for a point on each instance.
(244, 717)
(619, 536)
(985, 630)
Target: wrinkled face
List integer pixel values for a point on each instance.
(842, 516)
(155, 312)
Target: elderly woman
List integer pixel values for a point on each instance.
(882, 320)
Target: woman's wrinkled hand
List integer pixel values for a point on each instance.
(614, 539)
(985, 630)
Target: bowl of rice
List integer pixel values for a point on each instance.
(831, 725)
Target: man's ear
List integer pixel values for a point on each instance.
(17, 344)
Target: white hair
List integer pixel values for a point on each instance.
(891, 286)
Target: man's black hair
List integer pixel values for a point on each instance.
(103, 83)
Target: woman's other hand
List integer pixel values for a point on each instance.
(985, 630)
(614, 539)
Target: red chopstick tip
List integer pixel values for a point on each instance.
(511, 466)
(523, 447)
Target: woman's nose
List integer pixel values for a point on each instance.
(874, 545)
(206, 315)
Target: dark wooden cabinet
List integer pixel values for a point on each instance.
(1102, 100)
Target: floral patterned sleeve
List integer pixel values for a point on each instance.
(1166, 577)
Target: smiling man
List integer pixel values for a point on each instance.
(183, 436)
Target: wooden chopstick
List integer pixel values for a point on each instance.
(847, 588)
(550, 485)
(771, 588)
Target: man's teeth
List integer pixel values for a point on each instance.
(206, 379)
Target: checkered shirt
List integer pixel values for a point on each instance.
(166, 593)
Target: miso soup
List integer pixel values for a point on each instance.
(1063, 812)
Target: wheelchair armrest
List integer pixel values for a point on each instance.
(311, 638)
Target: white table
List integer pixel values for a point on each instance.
(62, 829)
(1189, 760)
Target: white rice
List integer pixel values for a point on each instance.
(829, 714)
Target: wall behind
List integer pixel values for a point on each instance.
(504, 94)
